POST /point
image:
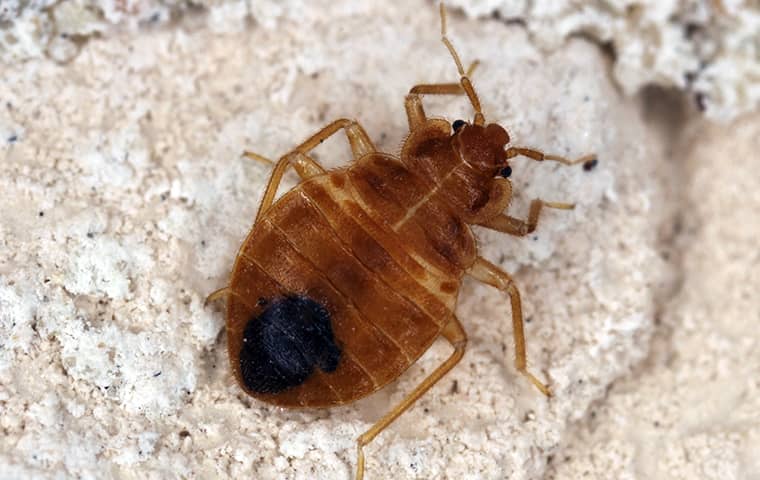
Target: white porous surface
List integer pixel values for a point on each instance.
(693, 409)
(707, 49)
(125, 198)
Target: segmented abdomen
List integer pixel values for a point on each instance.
(385, 302)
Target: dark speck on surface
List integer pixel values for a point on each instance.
(454, 387)
(701, 101)
(590, 165)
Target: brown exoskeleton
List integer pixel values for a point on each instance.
(346, 280)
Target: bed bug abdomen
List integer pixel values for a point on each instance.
(283, 345)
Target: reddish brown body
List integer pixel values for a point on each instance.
(382, 244)
(349, 277)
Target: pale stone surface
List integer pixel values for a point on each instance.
(125, 199)
(706, 48)
(691, 411)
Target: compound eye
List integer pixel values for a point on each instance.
(505, 172)
(457, 125)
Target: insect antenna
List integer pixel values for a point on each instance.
(465, 80)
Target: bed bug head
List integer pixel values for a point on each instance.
(467, 164)
(482, 147)
(479, 189)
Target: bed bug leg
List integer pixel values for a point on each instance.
(258, 158)
(515, 226)
(216, 295)
(455, 334)
(274, 182)
(471, 69)
(357, 138)
(518, 227)
(490, 274)
(415, 113)
(540, 156)
(414, 110)
(306, 166)
(452, 88)
(464, 81)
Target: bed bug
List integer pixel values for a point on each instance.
(349, 277)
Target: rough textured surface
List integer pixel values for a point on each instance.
(707, 48)
(125, 199)
(691, 411)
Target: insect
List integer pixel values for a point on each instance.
(349, 277)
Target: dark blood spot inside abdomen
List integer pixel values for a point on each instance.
(285, 342)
